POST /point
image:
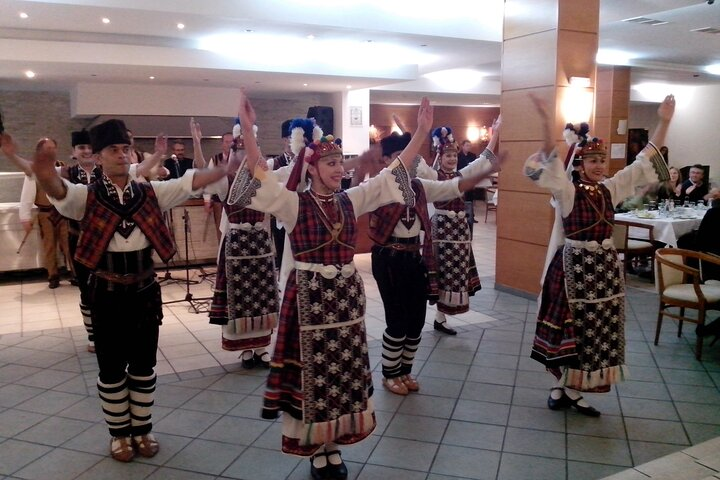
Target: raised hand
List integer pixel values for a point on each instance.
(45, 157)
(425, 116)
(667, 108)
(161, 144)
(399, 123)
(8, 145)
(195, 131)
(497, 123)
(246, 112)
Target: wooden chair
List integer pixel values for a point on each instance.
(490, 202)
(681, 286)
(633, 247)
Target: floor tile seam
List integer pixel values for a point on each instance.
(100, 458)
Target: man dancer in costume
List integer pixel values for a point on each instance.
(580, 332)
(121, 223)
(405, 268)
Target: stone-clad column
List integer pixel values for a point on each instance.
(545, 43)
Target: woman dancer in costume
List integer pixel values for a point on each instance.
(580, 335)
(452, 240)
(320, 373)
(245, 299)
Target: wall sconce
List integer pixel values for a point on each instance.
(578, 101)
(582, 82)
(622, 127)
(475, 134)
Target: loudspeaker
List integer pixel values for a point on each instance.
(323, 117)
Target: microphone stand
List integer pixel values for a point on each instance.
(197, 304)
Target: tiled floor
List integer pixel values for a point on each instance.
(480, 414)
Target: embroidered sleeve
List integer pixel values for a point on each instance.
(658, 163)
(547, 172)
(243, 188)
(403, 178)
(267, 194)
(492, 158)
(648, 167)
(426, 171)
(391, 185)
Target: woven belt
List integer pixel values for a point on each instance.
(124, 278)
(403, 247)
(451, 213)
(246, 226)
(327, 271)
(592, 245)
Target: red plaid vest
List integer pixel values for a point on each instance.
(310, 233)
(383, 222)
(456, 204)
(585, 222)
(102, 216)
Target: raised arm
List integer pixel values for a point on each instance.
(665, 112)
(149, 165)
(9, 148)
(469, 182)
(46, 175)
(399, 123)
(492, 145)
(199, 159)
(425, 119)
(247, 116)
(542, 109)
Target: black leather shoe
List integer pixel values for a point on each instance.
(247, 363)
(589, 411)
(54, 282)
(442, 327)
(258, 360)
(561, 403)
(322, 473)
(336, 472)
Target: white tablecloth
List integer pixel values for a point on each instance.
(667, 230)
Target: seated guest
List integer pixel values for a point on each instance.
(668, 190)
(695, 188)
(706, 239)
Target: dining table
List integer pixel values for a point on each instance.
(668, 227)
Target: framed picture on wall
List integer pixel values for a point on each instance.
(356, 116)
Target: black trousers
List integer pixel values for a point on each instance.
(126, 325)
(402, 279)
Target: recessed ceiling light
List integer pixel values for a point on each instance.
(151, 77)
(23, 15)
(348, 87)
(248, 30)
(105, 20)
(304, 84)
(310, 37)
(30, 74)
(180, 26)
